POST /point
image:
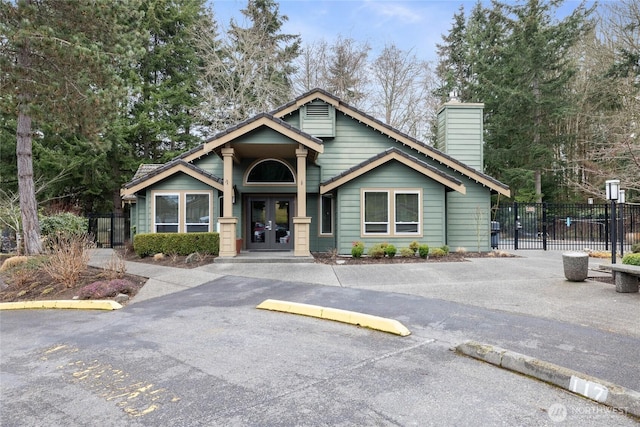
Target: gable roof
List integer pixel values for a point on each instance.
(156, 173)
(242, 128)
(387, 156)
(391, 132)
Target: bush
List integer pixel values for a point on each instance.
(445, 249)
(357, 249)
(176, 243)
(390, 250)
(376, 251)
(414, 246)
(438, 252)
(104, 289)
(635, 248)
(68, 258)
(407, 252)
(631, 259)
(423, 250)
(63, 223)
(12, 262)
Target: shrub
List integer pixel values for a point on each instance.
(414, 246)
(631, 259)
(407, 252)
(63, 223)
(423, 250)
(68, 258)
(176, 243)
(438, 252)
(104, 289)
(376, 251)
(12, 262)
(116, 267)
(635, 248)
(357, 249)
(390, 250)
(445, 249)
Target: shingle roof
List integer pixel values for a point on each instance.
(388, 130)
(385, 153)
(153, 170)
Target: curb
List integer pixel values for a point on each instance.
(615, 396)
(63, 304)
(351, 317)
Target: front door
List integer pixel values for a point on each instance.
(269, 225)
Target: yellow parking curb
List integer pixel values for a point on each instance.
(354, 318)
(68, 304)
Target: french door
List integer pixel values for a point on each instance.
(269, 223)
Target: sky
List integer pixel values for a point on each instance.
(416, 25)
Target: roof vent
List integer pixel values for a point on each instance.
(318, 119)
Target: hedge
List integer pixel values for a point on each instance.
(631, 259)
(176, 243)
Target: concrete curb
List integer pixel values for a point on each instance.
(63, 304)
(351, 317)
(621, 398)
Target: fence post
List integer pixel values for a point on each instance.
(111, 230)
(544, 226)
(516, 225)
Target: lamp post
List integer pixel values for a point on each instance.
(612, 188)
(621, 201)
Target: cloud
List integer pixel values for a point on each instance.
(395, 11)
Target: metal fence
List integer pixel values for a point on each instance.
(555, 226)
(109, 230)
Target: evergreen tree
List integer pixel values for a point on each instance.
(59, 62)
(162, 118)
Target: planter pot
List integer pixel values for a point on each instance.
(576, 266)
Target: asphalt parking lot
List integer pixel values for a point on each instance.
(205, 356)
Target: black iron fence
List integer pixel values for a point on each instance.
(555, 226)
(109, 230)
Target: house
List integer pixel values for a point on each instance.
(318, 174)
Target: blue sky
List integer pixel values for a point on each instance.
(410, 24)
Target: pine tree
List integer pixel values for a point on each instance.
(58, 62)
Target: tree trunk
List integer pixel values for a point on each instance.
(26, 187)
(28, 204)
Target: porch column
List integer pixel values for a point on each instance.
(228, 223)
(301, 223)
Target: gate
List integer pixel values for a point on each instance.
(556, 226)
(109, 230)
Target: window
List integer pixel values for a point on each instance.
(326, 214)
(270, 171)
(197, 212)
(407, 218)
(167, 208)
(182, 212)
(376, 212)
(402, 210)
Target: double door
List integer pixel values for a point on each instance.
(269, 223)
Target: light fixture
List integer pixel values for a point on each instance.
(621, 197)
(612, 188)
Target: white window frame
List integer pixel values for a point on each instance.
(395, 214)
(187, 224)
(182, 209)
(391, 212)
(365, 223)
(269, 183)
(155, 208)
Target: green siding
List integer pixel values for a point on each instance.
(211, 163)
(468, 219)
(392, 175)
(460, 132)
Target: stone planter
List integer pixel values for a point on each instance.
(576, 266)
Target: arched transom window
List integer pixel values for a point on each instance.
(270, 171)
